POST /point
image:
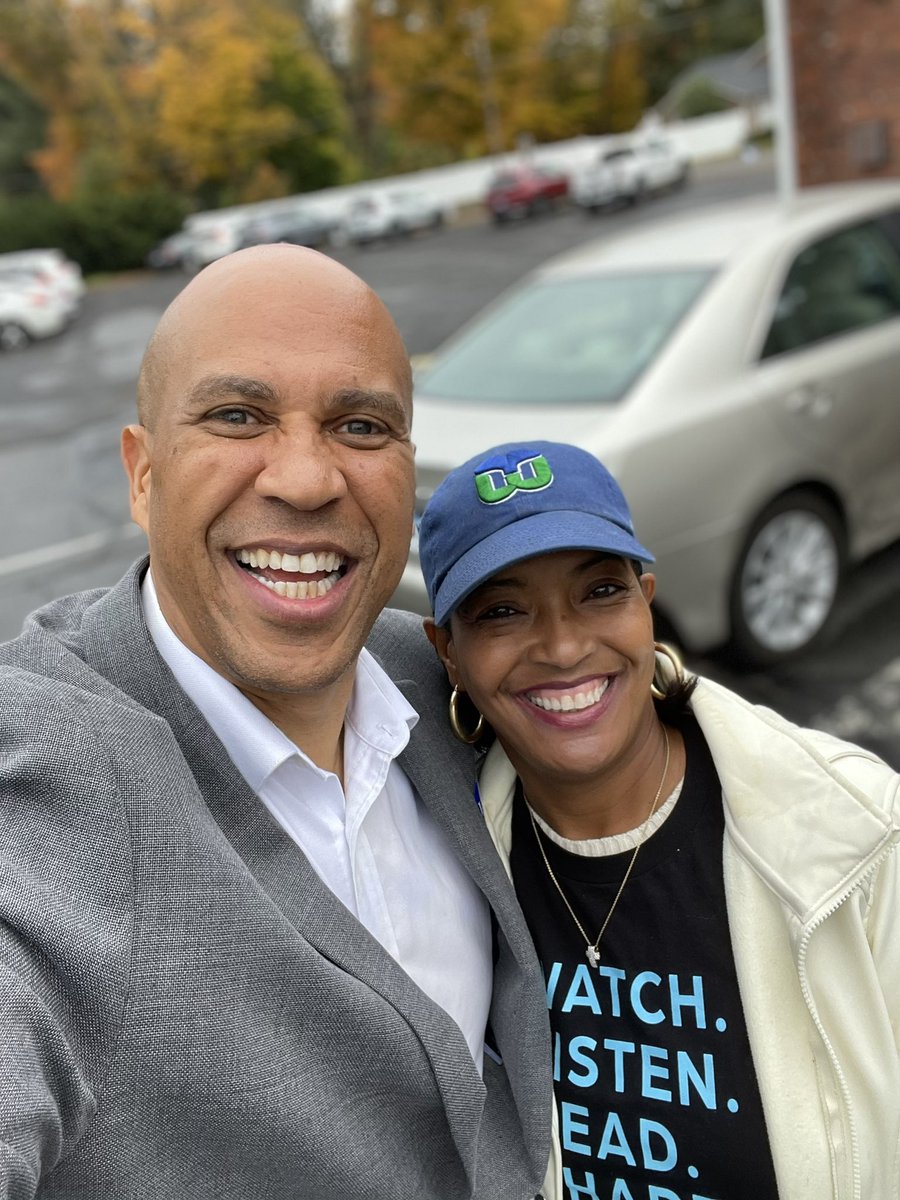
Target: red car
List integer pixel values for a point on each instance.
(525, 192)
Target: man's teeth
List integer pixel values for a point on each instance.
(304, 564)
(301, 590)
(569, 702)
(301, 564)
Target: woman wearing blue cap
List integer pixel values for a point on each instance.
(712, 892)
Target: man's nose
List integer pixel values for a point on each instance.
(300, 470)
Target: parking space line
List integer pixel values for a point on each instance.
(30, 560)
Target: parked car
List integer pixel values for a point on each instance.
(627, 172)
(211, 236)
(615, 178)
(663, 166)
(30, 308)
(737, 369)
(525, 192)
(170, 252)
(51, 268)
(381, 215)
(299, 226)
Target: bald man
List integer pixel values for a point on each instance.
(253, 935)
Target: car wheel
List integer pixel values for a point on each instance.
(787, 579)
(13, 336)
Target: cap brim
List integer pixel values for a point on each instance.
(539, 534)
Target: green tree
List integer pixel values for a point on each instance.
(677, 35)
(22, 130)
(700, 97)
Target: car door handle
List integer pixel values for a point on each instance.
(810, 401)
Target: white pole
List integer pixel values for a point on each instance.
(782, 83)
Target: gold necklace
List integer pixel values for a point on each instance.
(593, 948)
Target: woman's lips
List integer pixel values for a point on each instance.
(575, 697)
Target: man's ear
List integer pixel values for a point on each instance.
(440, 638)
(136, 460)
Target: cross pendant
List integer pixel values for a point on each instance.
(593, 956)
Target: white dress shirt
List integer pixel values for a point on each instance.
(372, 842)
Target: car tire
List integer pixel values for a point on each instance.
(13, 336)
(786, 580)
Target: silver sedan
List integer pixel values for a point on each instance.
(738, 370)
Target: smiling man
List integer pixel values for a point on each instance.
(253, 935)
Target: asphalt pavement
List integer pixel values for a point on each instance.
(63, 402)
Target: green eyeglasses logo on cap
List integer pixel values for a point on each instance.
(494, 484)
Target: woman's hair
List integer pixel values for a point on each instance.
(676, 702)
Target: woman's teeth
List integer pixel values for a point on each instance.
(568, 701)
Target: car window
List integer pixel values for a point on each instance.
(845, 282)
(568, 340)
(890, 223)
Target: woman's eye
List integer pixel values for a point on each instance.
(497, 612)
(602, 591)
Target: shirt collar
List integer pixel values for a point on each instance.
(378, 714)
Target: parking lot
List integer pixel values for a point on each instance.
(62, 404)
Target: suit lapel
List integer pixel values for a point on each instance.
(118, 645)
(443, 773)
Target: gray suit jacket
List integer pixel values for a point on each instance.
(186, 1011)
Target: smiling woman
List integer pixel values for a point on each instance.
(684, 860)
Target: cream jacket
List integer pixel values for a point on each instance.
(812, 881)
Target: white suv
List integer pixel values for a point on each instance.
(391, 214)
(615, 178)
(629, 171)
(662, 167)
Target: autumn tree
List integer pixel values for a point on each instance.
(219, 102)
(465, 78)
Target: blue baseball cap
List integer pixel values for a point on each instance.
(514, 502)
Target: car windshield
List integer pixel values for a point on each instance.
(567, 341)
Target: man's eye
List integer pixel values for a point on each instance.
(234, 416)
(362, 427)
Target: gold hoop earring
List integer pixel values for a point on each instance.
(468, 738)
(659, 685)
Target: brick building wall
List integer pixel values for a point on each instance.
(846, 67)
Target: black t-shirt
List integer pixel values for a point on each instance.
(655, 1087)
